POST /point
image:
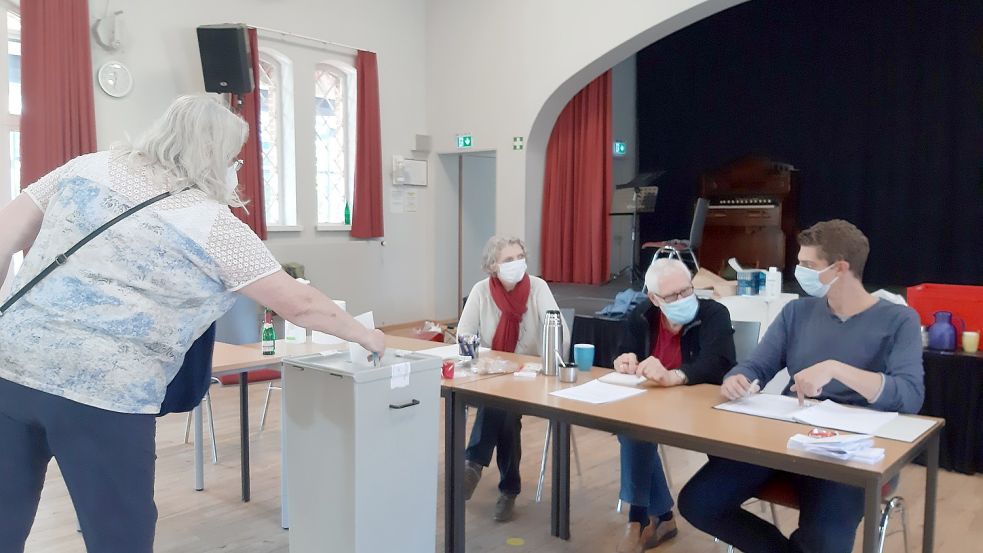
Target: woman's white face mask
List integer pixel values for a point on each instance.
(231, 178)
(512, 272)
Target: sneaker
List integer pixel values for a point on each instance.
(657, 532)
(631, 542)
(472, 474)
(504, 508)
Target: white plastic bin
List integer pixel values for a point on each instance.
(361, 453)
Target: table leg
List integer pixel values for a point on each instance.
(454, 425)
(244, 431)
(560, 492)
(284, 501)
(872, 514)
(931, 488)
(199, 450)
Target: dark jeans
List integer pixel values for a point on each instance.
(643, 480)
(497, 428)
(106, 458)
(828, 512)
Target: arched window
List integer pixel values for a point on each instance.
(334, 143)
(276, 139)
(10, 134)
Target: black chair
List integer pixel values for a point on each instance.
(683, 250)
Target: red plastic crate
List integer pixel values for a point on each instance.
(965, 302)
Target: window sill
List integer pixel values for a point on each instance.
(284, 228)
(333, 227)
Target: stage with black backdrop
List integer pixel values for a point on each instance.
(878, 104)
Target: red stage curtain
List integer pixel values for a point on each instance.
(58, 121)
(251, 173)
(367, 205)
(576, 229)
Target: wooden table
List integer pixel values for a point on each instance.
(683, 417)
(242, 359)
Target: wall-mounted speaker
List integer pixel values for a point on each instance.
(225, 56)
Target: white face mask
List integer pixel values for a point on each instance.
(810, 283)
(512, 272)
(231, 178)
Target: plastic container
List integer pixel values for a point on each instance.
(773, 283)
(965, 302)
(747, 283)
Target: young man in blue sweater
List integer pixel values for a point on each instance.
(841, 344)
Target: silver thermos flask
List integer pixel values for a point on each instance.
(552, 343)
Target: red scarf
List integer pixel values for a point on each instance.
(513, 307)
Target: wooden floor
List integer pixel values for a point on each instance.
(215, 520)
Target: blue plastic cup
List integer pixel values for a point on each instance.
(583, 356)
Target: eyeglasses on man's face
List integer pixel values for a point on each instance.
(678, 295)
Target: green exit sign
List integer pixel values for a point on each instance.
(464, 141)
(620, 148)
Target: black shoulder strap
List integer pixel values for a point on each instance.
(62, 258)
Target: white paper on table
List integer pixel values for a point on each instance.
(622, 379)
(400, 377)
(356, 353)
(597, 392)
(449, 351)
(771, 406)
(294, 333)
(830, 414)
(827, 414)
(905, 429)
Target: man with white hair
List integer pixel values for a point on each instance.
(680, 340)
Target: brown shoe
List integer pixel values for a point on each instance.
(472, 474)
(631, 542)
(504, 508)
(658, 531)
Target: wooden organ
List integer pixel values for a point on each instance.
(752, 215)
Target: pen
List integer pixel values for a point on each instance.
(751, 389)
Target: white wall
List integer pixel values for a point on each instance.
(396, 280)
(506, 68)
(624, 120)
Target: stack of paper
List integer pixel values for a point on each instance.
(827, 414)
(622, 379)
(597, 392)
(858, 447)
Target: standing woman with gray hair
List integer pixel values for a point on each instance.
(87, 354)
(506, 310)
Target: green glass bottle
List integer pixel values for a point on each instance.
(269, 334)
(348, 214)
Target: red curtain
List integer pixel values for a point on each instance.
(576, 229)
(58, 121)
(367, 204)
(251, 173)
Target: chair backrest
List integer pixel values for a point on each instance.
(699, 218)
(569, 316)
(745, 338)
(240, 324)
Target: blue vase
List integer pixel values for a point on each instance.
(942, 333)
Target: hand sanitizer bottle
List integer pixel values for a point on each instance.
(773, 283)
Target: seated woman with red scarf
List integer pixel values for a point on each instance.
(680, 340)
(506, 310)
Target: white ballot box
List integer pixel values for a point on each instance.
(360, 446)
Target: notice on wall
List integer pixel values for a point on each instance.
(396, 200)
(402, 200)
